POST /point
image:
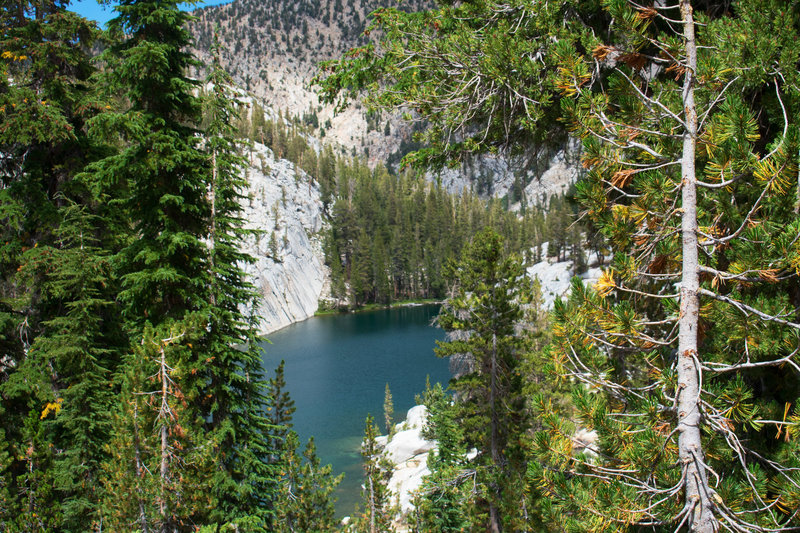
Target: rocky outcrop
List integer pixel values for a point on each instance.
(549, 172)
(555, 277)
(283, 203)
(408, 451)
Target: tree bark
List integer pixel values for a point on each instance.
(371, 506)
(690, 447)
(212, 238)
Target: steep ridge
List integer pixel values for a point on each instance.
(273, 49)
(284, 203)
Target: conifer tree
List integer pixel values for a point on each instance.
(245, 484)
(446, 495)
(60, 337)
(388, 411)
(484, 314)
(282, 406)
(377, 510)
(164, 268)
(306, 501)
(182, 274)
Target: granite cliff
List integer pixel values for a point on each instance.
(283, 202)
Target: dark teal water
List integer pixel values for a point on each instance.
(336, 370)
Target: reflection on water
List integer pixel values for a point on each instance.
(336, 370)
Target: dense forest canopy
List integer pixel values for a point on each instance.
(131, 384)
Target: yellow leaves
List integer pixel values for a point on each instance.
(12, 56)
(780, 426)
(51, 407)
(605, 284)
(570, 84)
(767, 170)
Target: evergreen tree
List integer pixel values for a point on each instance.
(446, 494)
(388, 411)
(306, 501)
(281, 407)
(377, 509)
(483, 315)
(164, 270)
(243, 434)
(60, 335)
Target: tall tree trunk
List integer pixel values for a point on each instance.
(212, 238)
(371, 506)
(690, 447)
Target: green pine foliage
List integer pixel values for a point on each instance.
(306, 500)
(281, 408)
(376, 511)
(447, 494)
(131, 385)
(486, 319)
(237, 390)
(392, 235)
(61, 336)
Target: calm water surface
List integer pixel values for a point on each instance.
(336, 370)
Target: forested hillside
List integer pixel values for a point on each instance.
(391, 236)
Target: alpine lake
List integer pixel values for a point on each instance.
(337, 368)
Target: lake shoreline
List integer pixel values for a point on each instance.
(378, 307)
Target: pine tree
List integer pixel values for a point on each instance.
(281, 408)
(245, 484)
(483, 315)
(306, 501)
(377, 509)
(685, 175)
(446, 494)
(60, 336)
(388, 411)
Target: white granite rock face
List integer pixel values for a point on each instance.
(408, 451)
(549, 173)
(284, 201)
(555, 277)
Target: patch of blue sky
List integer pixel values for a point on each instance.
(92, 10)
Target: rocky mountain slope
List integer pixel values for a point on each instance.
(272, 49)
(283, 202)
